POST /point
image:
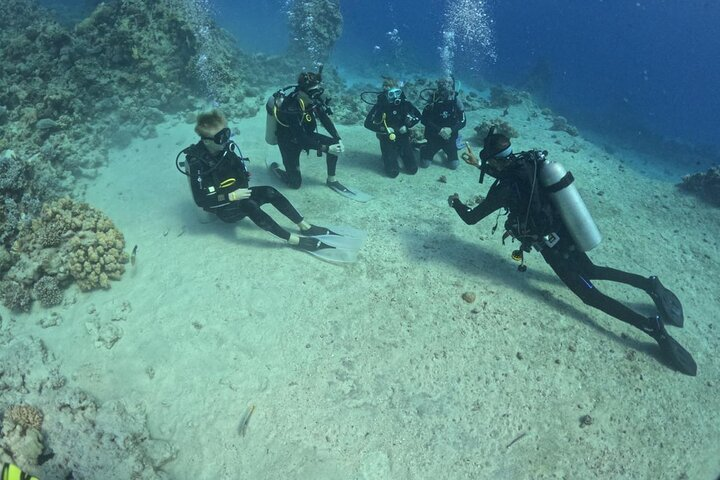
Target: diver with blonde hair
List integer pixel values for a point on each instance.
(220, 184)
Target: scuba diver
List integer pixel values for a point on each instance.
(292, 124)
(219, 181)
(443, 117)
(545, 212)
(391, 118)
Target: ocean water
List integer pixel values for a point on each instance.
(222, 353)
(624, 67)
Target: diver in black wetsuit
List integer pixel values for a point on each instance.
(297, 122)
(391, 118)
(535, 218)
(219, 182)
(443, 117)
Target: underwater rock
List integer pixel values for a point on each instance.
(502, 97)
(47, 124)
(705, 185)
(314, 27)
(561, 124)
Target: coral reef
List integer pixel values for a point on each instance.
(314, 27)
(91, 249)
(68, 241)
(47, 291)
(705, 185)
(502, 126)
(133, 62)
(15, 296)
(81, 438)
(25, 416)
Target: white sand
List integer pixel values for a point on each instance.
(379, 370)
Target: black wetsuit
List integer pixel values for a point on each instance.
(297, 131)
(530, 223)
(384, 114)
(213, 177)
(435, 116)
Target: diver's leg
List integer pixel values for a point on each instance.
(290, 153)
(389, 157)
(252, 210)
(428, 151)
(266, 194)
(667, 303)
(569, 270)
(450, 149)
(408, 156)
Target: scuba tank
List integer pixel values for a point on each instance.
(558, 183)
(271, 107)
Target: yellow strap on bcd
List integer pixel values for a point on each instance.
(227, 182)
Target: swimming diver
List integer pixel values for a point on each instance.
(545, 212)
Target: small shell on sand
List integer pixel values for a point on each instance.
(469, 297)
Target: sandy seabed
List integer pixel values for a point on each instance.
(380, 369)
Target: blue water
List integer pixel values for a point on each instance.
(613, 64)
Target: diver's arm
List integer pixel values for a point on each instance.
(495, 200)
(370, 122)
(461, 121)
(412, 117)
(326, 122)
(430, 126)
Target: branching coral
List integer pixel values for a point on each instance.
(26, 416)
(47, 291)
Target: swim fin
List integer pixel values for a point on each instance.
(667, 303)
(677, 356)
(354, 193)
(333, 248)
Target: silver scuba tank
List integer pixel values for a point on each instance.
(558, 182)
(270, 122)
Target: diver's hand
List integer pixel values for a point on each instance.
(445, 133)
(470, 158)
(452, 199)
(342, 146)
(239, 194)
(336, 149)
(402, 130)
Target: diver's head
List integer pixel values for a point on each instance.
(394, 96)
(212, 127)
(311, 83)
(496, 154)
(445, 89)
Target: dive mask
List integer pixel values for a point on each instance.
(394, 95)
(220, 138)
